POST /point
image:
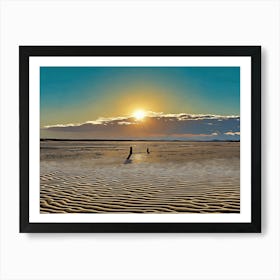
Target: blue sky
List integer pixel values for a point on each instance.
(78, 95)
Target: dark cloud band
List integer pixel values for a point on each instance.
(154, 126)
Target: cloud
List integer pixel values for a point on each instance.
(124, 123)
(232, 133)
(60, 125)
(156, 125)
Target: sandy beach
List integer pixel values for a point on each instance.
(95, 177)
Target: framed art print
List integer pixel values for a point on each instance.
(140, 138)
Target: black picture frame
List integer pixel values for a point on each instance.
(254, 52)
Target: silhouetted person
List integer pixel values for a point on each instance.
(130, 153)
(148, 151)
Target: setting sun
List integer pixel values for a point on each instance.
(139, 115)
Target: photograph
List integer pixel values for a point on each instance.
(140, 140)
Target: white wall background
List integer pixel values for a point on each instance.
(139, 256)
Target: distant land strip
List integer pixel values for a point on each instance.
(137, 140)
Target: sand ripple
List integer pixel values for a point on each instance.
(141, 188)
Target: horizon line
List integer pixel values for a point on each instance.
(138, 140)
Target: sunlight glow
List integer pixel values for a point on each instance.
(139, 115)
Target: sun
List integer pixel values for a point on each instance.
(139, 115)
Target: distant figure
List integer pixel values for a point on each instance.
(148, 151)
(130, 153)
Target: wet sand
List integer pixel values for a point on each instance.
(95, 177)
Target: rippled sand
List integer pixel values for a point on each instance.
(94, 177)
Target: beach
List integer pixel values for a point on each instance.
(174, 177)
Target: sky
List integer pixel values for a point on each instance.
(197, 103)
